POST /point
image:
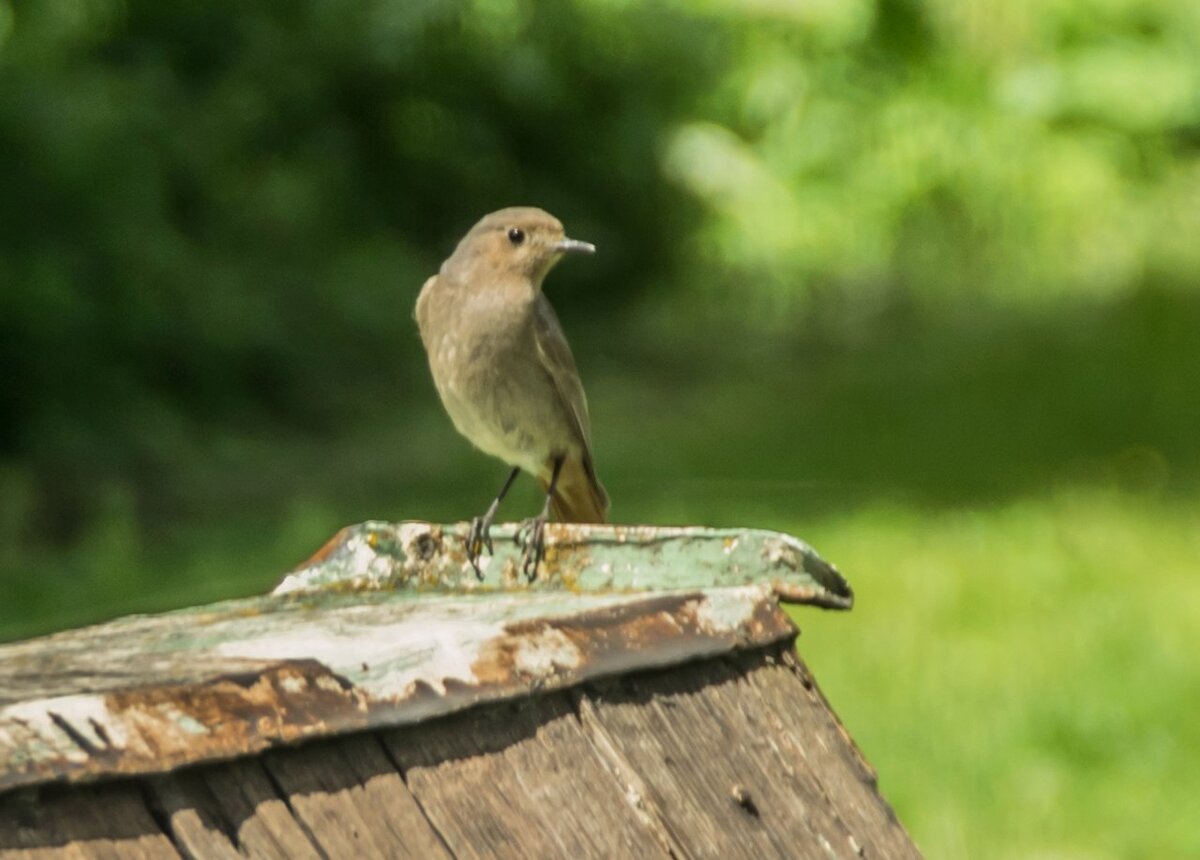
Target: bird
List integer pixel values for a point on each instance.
(505, 372)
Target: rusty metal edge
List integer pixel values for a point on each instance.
(295, 700)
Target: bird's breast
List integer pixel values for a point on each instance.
(485, 363)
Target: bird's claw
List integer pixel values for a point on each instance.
(531, 537)
(478, 538)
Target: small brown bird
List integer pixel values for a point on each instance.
(505, 373)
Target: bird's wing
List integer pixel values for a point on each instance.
(555, 355)
(580, 496)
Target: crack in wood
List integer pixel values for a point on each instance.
(417, 800)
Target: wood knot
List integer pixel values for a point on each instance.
(741, 796)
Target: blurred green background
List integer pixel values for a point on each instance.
(917, 282)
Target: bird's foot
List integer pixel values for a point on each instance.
(531, 537)
(479, 538)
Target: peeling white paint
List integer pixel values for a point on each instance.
(83, 712)
(730, 608)
(398, 655)
(544, 654)
(293, 684)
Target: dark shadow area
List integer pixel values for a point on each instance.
(105, 815)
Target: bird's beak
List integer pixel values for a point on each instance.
(574, 246)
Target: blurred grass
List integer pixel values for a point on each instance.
(1023, 676)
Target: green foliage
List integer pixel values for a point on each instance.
(997, 151)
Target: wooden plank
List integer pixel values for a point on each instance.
(352, 801)
(109, 822)
(809, 731)
(709, 765)
(518, 781)
(736, 757)
(250, 809)
(184, 803)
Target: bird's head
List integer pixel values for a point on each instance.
(520, 241)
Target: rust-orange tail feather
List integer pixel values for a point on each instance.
(579, 496)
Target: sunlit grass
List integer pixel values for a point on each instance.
(1025, 678)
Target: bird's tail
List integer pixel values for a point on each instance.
(579, 496)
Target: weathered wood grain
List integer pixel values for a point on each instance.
(806, 728)
(519, 781)
(241, 800)
(349, 796)
(108, 822)
(737, 756)
(191, 815)
(707, 757)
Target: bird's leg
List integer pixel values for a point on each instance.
(532, 534)
(479, 536)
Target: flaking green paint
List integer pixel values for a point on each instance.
(427, 558)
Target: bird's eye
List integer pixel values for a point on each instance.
(516, 235)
